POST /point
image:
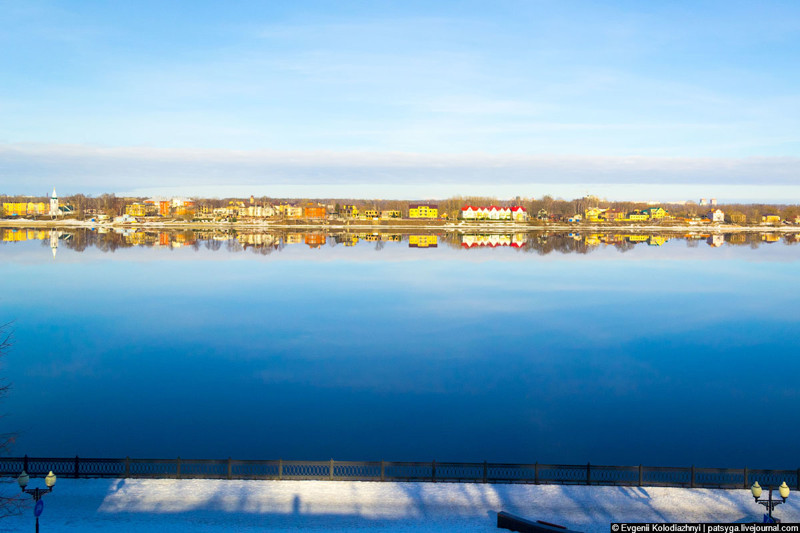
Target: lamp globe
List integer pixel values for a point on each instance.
(23, 480)
(50, 479)
(756, 490)
(784, 490)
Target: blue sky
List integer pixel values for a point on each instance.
(402, 99)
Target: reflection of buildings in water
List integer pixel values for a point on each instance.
(256, 239)
(737, 238)
(293, 238)
(770, 237)
(346, 239)
(54, 235)
(637, 238)
(716, 240)
(14, 235)
(593, 240)
(391, 237)
(141, 238)
(423, 241)
(22, 234)
(184, 238)
(656, 240)
(370, 237)
(516, 240)
(315, 240)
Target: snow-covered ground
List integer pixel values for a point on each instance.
(220, 505)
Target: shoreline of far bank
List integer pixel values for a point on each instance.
(459, 227)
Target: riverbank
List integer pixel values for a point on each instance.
(408, 226)
(229, 505)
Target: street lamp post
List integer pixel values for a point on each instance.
(769, 503)
(37, 493)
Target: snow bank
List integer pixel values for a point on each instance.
(220, 505)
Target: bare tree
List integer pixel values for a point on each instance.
(10, 502)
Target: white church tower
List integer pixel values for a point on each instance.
(54, 211)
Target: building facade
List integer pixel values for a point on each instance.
(423, 211)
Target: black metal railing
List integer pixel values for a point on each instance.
(434, 471)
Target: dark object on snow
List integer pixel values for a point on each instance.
(517, 523)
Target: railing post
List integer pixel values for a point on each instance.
(280, 468)
(178, 468)
(485, 471)
(127, 467)
(230, 468)
(25, 463)
(640, 475)
(331, 472)
(588, 473)
(383, 471)
(692, 482)
(77, 469)
(536, 473)
(433, 471)
(746, 484)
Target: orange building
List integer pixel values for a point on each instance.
(314, 211)
(162, 206)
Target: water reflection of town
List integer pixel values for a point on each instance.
(268, 242)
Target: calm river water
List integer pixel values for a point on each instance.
(614, 349)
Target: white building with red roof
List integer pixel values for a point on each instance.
(494, 212)
(519, 214)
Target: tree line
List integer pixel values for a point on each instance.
(113, 205)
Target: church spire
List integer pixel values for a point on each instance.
(54, 211)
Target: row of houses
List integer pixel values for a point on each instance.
(597, 214)
(36, 209)
(515, 213)
(714, 216)
(161, 207)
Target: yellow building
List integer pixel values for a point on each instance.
(423, 241)
(593, 214)
(290, 211)
(184, 210)
(737, 218)
(423, 211)
(370, 213)
(136, 210)
(390, 214)
(654, 212)
(15, 209)
(21, 209)
(771, 219)
(349, 211)
(637, 216)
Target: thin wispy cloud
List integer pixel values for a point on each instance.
(29, 168)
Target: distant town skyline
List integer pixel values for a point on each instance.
(624, 100)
